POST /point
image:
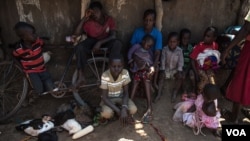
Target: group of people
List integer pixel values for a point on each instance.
(149, 63)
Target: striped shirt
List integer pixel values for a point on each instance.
(115, 88)
(31, 58)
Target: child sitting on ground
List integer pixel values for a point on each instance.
(205, 59)
(140, 58)
(200, 112)
(187, 48)
(171, 65)
(29, 52)
(115, 97)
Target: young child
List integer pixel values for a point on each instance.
(140, 57)
(205, 59)
(187, 48)
(29, 52)
(115, 97)
(149, 18)
(171, 65)
(201, 112)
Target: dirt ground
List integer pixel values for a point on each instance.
(162, 123)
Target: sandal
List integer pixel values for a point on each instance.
(147, 118)
(227, 115)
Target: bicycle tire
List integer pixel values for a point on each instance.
(96, 80)
(12, 91)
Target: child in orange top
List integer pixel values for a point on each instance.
(205, 59)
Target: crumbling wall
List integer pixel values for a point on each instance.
(58, 18)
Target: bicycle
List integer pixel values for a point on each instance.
(15, 84)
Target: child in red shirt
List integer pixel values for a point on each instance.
(205, 59)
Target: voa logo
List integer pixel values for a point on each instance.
(236, 132)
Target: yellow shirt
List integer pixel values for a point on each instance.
(115, 88)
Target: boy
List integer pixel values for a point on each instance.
(101, 32)
(114, 85)
(140, 56)
(29, 52)
(171, 65)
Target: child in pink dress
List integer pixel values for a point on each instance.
(201, 112)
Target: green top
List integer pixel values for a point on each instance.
(186, 53)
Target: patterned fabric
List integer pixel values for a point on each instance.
(186, 53)
(171, 60)
(114, 87)
(206, 77)
(199, 48)
(141, 75)
(208, 59)
(31, 58)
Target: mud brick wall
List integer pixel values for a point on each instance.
(58, 18)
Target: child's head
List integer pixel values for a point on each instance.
(173, 40)
(185, 36)
(210, 35)
(96, 8)
(116, 64)
(210, 92)
(147, 41)
(149, 17)
(25, 31)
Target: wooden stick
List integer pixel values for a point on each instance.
(159, 13)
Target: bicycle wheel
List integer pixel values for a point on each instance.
(92, 73)
(13, 89)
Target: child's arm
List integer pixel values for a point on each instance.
(132, 50)
(124, 110)
(107, 101)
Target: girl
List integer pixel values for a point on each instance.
(141, 58)
(201, 112)
(171, 65)
(205, 59)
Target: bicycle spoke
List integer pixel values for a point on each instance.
(13, 89)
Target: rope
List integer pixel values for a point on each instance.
(199, 125)
(158, 133)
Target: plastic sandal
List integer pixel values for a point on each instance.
(147, 118)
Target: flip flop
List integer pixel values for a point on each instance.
(147, 118)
